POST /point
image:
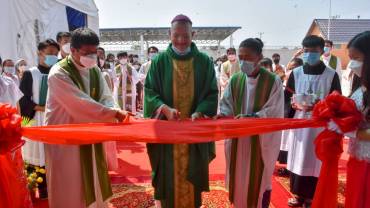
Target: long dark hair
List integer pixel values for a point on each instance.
(361, 42)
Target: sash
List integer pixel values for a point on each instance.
(43, 89)
(86, 151)
(264, 86)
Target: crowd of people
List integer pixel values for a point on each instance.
(75, 81)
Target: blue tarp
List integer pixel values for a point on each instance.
(76, 19)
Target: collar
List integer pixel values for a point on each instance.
(193, 51)
(314, 70)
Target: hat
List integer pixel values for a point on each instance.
(181, 18)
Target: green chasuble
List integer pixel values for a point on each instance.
(263, 90)
(86, 151)
(332, 62)
(158, 91)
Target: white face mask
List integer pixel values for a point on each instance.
(123, 61)
(152, 55)
(247, 67)
(88, 61)
(356, 67)
(9, 69)
(66, 48)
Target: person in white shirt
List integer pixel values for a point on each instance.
(228, 68)
(331, 60)
(64, 42)
(9, 71)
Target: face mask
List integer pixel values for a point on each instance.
(101, 62)
(356, 67)
(152, 55)
(123, 61)
(231, 57)
(181, 53)
(88, 61)
(67, 48)
(219, 62)
(50, 60)
(311, 58)
(247, 67)
(9, 69)
(327, 50)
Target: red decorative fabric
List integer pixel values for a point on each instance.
(329, 145)
(10, 129)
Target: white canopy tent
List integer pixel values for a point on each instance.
(25, 23)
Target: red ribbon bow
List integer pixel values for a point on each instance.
(329, 144)
(10, 129)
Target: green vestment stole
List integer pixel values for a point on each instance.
(263, 89)
(43, 89)
(332, 62)
(86, 151)
(158, 91)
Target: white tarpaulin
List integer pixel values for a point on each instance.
(25, 23)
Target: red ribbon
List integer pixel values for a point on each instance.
(10, 129)
(329, 145)
(335, 107)
(14, 192)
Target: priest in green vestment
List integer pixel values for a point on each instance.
(77, 175)
(180, 84)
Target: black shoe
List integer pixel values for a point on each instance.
(307, 203)
(283, 172)
(295, 202)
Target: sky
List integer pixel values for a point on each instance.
(281, 22)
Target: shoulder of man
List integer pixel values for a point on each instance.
(32, 69)
(159, 59)
(203, 56)
(272, 75)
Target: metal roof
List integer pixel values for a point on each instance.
(341, 30)
(160, 35)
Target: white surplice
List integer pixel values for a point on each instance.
(67, 104)
(135, 78)
(9, 91)
(270, 143)
(302, 159)
(33, 152)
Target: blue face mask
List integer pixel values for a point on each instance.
(247, 67)
(327, 50)
(50, 60)
(181, 53)
(311, 58)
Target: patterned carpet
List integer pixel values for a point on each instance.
(141, 196)
(284, 182)
(132, 188)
